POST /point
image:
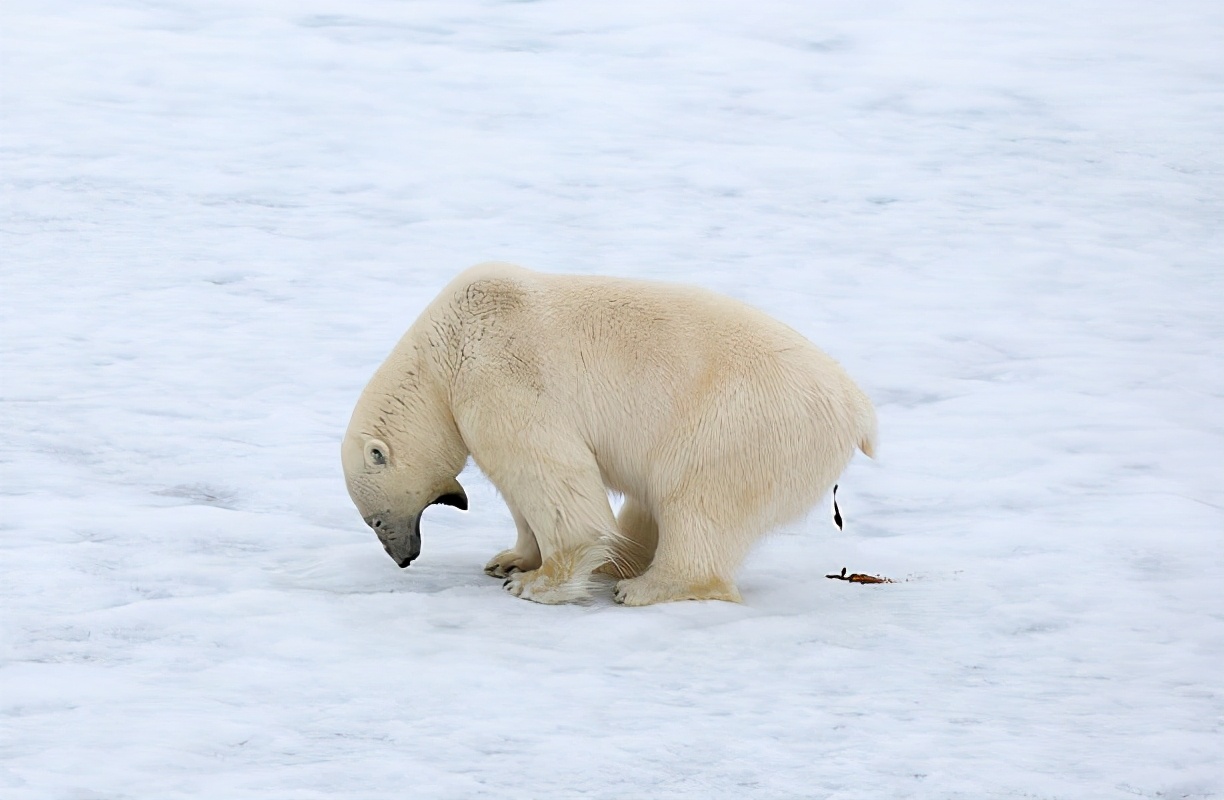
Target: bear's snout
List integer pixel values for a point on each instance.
(401, 540)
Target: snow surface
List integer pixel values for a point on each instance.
(1005, 219)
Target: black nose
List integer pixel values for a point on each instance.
(404, 563)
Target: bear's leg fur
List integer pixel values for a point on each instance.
(523, 557)
(563, 500)
(696, 560)
(639, 536)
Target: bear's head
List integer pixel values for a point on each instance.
(401, 454)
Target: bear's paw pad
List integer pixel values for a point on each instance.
(649, 589)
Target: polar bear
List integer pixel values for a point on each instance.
(714, 421)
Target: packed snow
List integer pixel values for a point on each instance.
(1006, 220)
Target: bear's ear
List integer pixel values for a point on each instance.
(376, 453)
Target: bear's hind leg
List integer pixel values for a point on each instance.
(523, 557)
(635, 549)
(696, 560)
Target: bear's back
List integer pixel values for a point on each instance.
(641, 369)
(667, 333)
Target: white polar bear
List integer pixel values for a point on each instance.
(715, 421)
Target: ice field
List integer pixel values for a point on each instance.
(1005, 220)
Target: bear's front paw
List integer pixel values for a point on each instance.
(509, 561)
(541, 587)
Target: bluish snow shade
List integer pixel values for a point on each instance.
(1004, 219)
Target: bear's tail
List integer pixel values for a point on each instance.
(868, 428)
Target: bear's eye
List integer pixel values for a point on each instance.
(377, 456)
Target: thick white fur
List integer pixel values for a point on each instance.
(715, 421)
